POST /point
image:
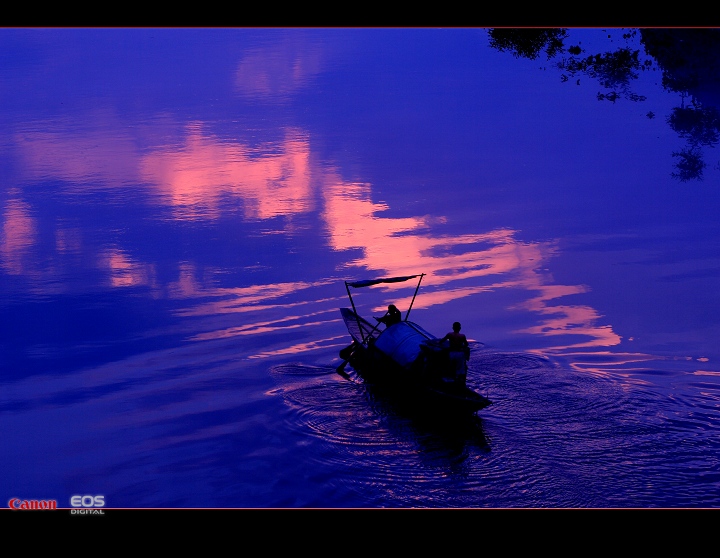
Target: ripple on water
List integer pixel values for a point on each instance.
(405, 458)
(554, 436)
(334, 409)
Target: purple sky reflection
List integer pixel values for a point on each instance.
(259, 207)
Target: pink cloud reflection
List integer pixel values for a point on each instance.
(194, 178)
(403, 247)
(457, 267)
(124, 271)
(17, 236)
(104, 153)
(276, 71)
(568, 319)
(205, 176)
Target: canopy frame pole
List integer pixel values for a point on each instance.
(347, 288)
(357, 284)
(352, 302)
(413, 298)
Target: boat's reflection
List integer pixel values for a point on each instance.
(435, 430)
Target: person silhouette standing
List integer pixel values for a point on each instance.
(459, 352)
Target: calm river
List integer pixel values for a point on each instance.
(180, 208)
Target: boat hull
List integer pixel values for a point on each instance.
(410, 363)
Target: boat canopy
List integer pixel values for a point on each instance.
(402, 342)
(370, 282)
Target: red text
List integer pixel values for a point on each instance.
(18, 504)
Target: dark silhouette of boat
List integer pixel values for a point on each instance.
(406, 359)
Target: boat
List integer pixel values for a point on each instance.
(405, 358)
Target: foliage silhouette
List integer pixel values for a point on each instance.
(696, 124)
(528, 43)
(690, 166)
(689, 60)
(613, 70)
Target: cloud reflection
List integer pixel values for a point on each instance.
(194, 179)
(277, 71)
(204, 177)
(124, 272)
(102, 153)
(457, 267)
(568, 319)
(17, 236)
(405, 246)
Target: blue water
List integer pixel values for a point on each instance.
(180, 208)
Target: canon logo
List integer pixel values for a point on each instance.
(18, 504)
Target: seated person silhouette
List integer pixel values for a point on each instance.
(392, 316)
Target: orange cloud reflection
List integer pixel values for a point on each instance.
(271, 179)
(566, 319)
(17, 237)
(275, 72)
(457, 267)
(193, 179)
(125, 272)
(205, 176)
(103, 153)
(402, 246)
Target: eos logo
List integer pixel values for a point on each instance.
(87, 501)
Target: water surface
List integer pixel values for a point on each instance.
(180, 208)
